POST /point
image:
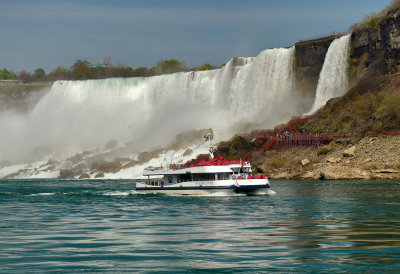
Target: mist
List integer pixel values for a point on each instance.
(77, 116)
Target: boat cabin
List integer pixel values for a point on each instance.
(199, 174)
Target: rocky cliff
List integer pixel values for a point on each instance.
(309, 59)
(376, 50)
(21, 96)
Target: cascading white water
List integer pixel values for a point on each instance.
(146, 112)
(333, 78)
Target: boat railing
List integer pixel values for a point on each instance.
(220, 162)
(154, 168)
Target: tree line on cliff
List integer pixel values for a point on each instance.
(84, 70)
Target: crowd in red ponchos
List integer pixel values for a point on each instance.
(257, 176)
(217, 162)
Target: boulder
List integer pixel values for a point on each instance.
(66, 174)
(349, 152)
(99, 175)
(305, 162)
(110, 167)
(84, 176)
(331, 160)
(311, 175)
(330, 175)
(282, 175)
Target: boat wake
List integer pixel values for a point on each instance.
(43, 194)
(120, 193)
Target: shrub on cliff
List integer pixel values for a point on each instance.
(372, 20)
(371, 105)
(389, 110)
(235, 149)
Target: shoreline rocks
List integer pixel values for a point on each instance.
(365, 159)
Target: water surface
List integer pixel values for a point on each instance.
(105, 226)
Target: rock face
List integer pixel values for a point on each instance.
(309, 59)
(377, 50)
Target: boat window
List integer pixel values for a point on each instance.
(153, 183)
(185, 178)
(204, 177)
(223, 176)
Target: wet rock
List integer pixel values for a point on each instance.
(84, 176)
(110, 167)
(99, 175)
(76, 158)
(131, 163)
(188, 152)
(51, 162)
(66, 165)
(147, 156)
(66, 174)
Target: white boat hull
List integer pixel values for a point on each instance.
(247, 186)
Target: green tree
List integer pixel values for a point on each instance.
(141, 72)
(39, 74)
(81, 70)
(205, 67)
(60, 73)
(5, 74)
(170, 66)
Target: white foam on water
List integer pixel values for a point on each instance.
(120, 193)
(43, 194)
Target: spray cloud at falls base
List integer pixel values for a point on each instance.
(139, 114)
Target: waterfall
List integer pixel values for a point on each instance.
(333, 78)
(84, 115)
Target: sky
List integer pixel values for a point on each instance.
(51, 33)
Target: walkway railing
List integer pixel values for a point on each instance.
(320, 37)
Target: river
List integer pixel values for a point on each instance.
(105, 226)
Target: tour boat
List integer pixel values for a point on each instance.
(203, 178)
